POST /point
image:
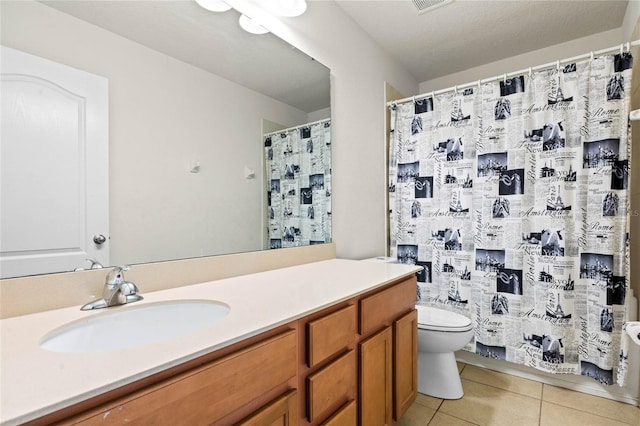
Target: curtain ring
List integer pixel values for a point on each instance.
(591, 60)
(530, 72)
(504, 78)
(628, 47)
(455, 89)
(413, 99)
(621, 48)
(558, 65)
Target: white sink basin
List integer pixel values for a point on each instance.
(130, 325)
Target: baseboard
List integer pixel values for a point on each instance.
(627, 394)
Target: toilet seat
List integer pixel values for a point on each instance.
(440, 320)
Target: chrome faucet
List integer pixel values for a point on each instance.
(116, 291)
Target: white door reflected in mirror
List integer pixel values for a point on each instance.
(56, 117)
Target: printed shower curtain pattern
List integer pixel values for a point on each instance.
(513, 197)
(298, 165)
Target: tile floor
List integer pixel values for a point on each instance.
(493, 398)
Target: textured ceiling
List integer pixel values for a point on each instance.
(460, 35)
(469, 33)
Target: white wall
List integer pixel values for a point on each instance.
(630, 21)
(163, 115)
(549, 54)
(359, 69)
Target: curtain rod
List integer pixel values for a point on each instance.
(555, 64)
(324, 120)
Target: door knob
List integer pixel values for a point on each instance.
(99, 239)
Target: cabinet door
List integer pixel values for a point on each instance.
(375, 379)
(281, 412)
(405, 363)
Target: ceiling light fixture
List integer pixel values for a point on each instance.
(214, 5)
(286, 8)
(251, 26)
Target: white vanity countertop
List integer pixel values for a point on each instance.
(35, 382)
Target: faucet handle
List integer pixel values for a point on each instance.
(128, 288)
(116, 275)
(94, 263)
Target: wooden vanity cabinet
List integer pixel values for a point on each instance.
(222, 391)
(405, 362)
(328, 371)
(353, 363)
(376, 379)
(379, 331)
(388, 353)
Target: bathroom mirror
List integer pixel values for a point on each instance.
(188, 93)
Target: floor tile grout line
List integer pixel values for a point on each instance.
(578, 409)
(503, 389)
(450, 415)
(541, 400)
(589, 413)
(424, 405)
(508, 390)
(540, 406)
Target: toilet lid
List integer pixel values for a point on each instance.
(438, 319)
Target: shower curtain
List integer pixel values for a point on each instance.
(298, 167)
(513, 197)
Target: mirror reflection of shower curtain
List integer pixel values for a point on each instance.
(513, 197)
(298, 166)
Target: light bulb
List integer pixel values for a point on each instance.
(214, 5)
(251, 26)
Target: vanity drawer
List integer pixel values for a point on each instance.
(330, 334)
(283, 411)
(346, 416)
(332, 386)
(383, 307)
(211, 392)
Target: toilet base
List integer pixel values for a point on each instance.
(438, 375)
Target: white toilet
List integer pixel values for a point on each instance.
(440, 334)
